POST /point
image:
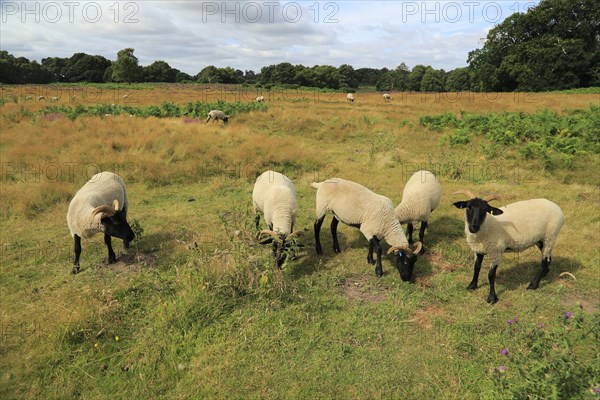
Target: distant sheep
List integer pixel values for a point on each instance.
(422, 194)
(274, 195)
(387, 97)
(260, 99)
(357, 206)
(512, 228)
(100, 206)
(216, 115)
(350, 97)
(40, 98)
(55, 98)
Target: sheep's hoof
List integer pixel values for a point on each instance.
(337, 250)
(422, 250)
(532, 286)
(379, 272)
(125, 244)
(492, 298)
(370, 261)
(112, 260)
(472, 286)
(75, 270)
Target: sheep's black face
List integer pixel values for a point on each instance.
(225, 120)
(476, 210)
(117, 226)
(405, 264)
(279, 252)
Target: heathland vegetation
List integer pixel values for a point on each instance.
(196, 308)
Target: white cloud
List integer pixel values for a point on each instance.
(250, 34)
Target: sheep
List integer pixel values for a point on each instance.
(99, 206)
(350, 97)
(217, 115)
(54, 98)
(422, 194)
(274, 195)
(40, 98)
(260, 99)
(387, 97)
(357, 206)
(512, 228)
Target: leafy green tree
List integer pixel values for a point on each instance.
(57, 67)
(554, 45)
(415, 77)
(126, 68)
(86, 68)
(159, 71)
(434, 80)
(458, 80)
(347, 76)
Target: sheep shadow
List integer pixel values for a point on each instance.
(515, 275)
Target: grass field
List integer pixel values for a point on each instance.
(196, 309)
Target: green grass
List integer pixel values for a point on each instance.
(196, 308)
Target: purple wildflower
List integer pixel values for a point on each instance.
(568, 315)
(502, 369)
(596, 390)
(504, 351)
(510, 321)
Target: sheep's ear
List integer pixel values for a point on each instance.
(116, 204)
(495, 211)
(460, 204)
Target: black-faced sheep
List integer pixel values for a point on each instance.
(274, 195)
(216, 115)
(512, 228)
(357, 206)
(99, 206)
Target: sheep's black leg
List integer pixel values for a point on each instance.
(409, 232)
(257, 220)
(112, 258)
(535, 283)
(336, 244)
(476, 269)
(370, 253)
(77, 247)
(492, 298)
(318, 224)
(375, 242)
(424, 226)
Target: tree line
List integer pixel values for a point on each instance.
(554, 45)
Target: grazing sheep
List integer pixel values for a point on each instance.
(422, 194)
(350, 97)
(275, 196)
(373, 214)
(55, 98)
(217, 115)
(125, 96)
(40, 98)
(387, 97)
(99, 206)
(511, 228)
(260, 99)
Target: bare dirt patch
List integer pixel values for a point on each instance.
(129, 262)
(359, 288)
(423, 317)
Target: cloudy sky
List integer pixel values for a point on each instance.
(247, 35)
